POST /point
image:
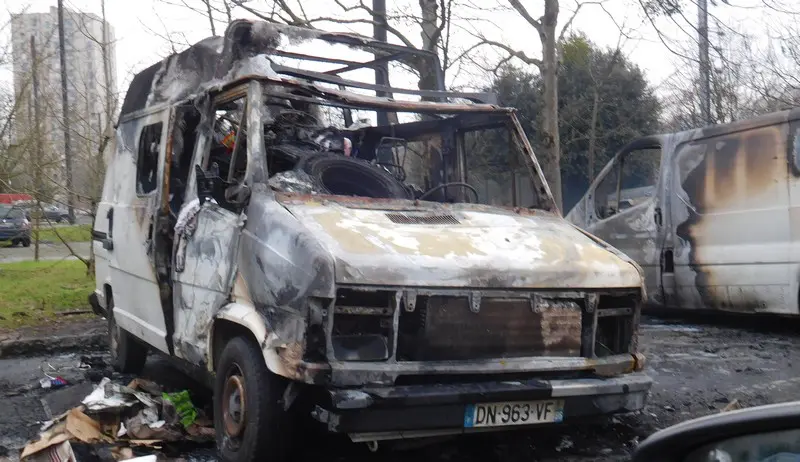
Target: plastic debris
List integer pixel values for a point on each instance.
(183, 404)
(53, 382)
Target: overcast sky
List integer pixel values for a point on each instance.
(141, 27)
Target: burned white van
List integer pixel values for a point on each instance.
(387, 281)
(710, 214)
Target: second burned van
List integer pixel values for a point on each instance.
(711, 214)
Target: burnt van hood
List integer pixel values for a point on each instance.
(481, 247)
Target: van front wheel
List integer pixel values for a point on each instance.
(249, 419)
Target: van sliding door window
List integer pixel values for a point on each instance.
(147, 159)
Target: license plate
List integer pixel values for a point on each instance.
(513, 413)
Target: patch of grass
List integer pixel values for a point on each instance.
(34, 293)
(72, 233)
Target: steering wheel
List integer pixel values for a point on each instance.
(446, 185)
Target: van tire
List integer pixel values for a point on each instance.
(348, 176)
(26, 242)
(243, 382)
(128, 355)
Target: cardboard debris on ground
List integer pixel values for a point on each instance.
(61, 452)
(147, 425)
(84, 428)
(55, 435)
(137, 415)
(146, 385)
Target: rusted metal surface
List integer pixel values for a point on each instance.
(218, 62)
(352, 374)
(726, 199)
(450, 329)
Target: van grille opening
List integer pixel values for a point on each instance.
(615, 325)
(445, 328)
(362, 325)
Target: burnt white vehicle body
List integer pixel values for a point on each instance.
(714, 221)
(306, 274)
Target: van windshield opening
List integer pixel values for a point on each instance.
(320, 146)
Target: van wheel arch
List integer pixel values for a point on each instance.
(249, 416)
(224, 331)
(128, 354)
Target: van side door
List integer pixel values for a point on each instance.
(730, 209)
(208, 232)
(624, 207)
(141, 146)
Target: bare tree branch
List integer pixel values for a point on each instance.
(517, 5)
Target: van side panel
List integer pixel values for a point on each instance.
(137, 298)
(730, 210)
(100, 229)
(793, 151)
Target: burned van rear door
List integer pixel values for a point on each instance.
(142, 144)
(625, 207)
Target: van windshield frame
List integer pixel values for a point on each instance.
(442, 130)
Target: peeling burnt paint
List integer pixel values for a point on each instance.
(488, 249)
(204, 285)
(727, 196)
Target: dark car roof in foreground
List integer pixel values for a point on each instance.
(667, 445)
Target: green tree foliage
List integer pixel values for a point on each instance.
(625, 106)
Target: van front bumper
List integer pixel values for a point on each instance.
(413, 411)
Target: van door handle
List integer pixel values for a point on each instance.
(108, 242)
(657, 216)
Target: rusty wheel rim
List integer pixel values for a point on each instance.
(233, 404)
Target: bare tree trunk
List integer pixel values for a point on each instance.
(593, 136)
(38, 141)
(430, 33)
(549, 69)
(65, 112)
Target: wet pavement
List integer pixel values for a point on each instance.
(698, 369)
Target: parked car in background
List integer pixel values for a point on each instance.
(53, 213)
(14, 226)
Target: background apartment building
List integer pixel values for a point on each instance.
(87, 92)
